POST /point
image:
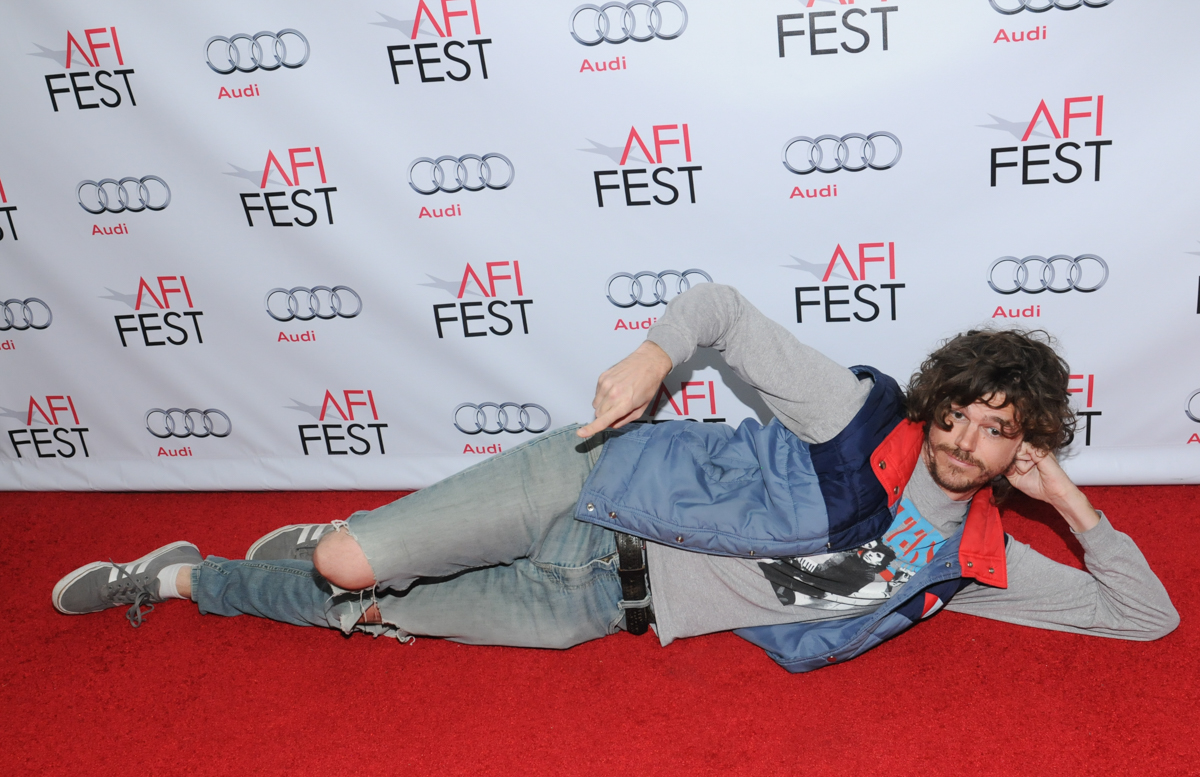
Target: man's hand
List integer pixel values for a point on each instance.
(625, 389)
(1038, 474)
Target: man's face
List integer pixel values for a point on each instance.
(981, 443)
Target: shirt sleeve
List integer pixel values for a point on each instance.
(809, 393)
(1116, 596)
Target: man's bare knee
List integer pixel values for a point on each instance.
(342, 562)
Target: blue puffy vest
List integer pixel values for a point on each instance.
(761, 492)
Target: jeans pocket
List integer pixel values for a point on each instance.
(577, 576)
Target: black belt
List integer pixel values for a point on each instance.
(634, 588)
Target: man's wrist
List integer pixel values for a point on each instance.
(660, 357)
(1077, 511)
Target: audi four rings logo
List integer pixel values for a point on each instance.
(433, 177)
(166, 421)
(855, 159)
(492, 418)
(99, 194)
(635, 290)
(25, 312)
(591, 24)
(304, 304)
(1040, 6)
(1018, 277)
(229, 57)
(1194, 415)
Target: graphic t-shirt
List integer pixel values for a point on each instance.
(862, 577)
(696, 593)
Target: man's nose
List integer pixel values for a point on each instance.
(968, 437)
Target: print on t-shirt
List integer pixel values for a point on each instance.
(864, 576)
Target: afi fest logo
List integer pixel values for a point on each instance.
(1070, 161)
(178, 325)
(263, 51)
(350, 425)
(275, 203)
(50, 423)
(107, 88)
(631, 180)
(869, 300)
(502, 317)
(1083, 389)
(447, 56)
(7, 210)
(694, 398)
(826, 36)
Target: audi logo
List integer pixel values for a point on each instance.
(1019, 277)
(1040, 6)
(597, 23)
(490, 418)
(463, 176)
(28, 318)
(230, 57)
(863, 156)
(635, 290)
(1195, 416)
(170, 426)
(304, 304)
(144, 195)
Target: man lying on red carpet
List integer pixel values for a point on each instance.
(858, 511)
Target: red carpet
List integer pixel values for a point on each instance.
(210, 695)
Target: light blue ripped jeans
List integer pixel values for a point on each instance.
(489, 556)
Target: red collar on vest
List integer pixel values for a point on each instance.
(981, 551)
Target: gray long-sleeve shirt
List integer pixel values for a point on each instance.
(814, 397)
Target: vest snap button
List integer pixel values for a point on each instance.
(970, 563)
(831, 659)
(947, 565)
(895, 489)
(612, 515)
(679, 538)
(883, 465)
(751, 553)
(591, 507)
(991, 570)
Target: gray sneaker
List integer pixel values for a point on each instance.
(290, 542)
(103, 584)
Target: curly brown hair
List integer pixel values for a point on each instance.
(983, 364)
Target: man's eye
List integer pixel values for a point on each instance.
(957, 415)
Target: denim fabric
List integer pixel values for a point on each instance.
(491, 555)
(754, 491)
(284, 590)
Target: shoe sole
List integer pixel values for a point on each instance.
(65, 583)
(263, 540)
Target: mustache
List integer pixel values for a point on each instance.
(959, 454)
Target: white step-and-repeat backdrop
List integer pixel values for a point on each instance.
(366, 244)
